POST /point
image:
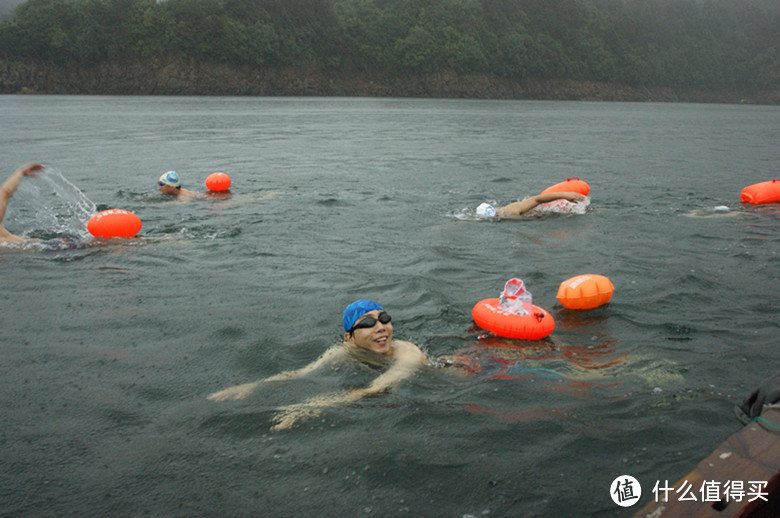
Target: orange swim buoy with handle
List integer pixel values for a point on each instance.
(763, 192)
(218, 182)
(570, 185)
(585, 291)
(487, 315)
(114, 223)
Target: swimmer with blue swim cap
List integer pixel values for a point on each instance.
(171, 179)
(169, 183)
(357, 309)
(365, 315)
(368, 338)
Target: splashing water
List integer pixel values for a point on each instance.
(562, 206)
(49, 206)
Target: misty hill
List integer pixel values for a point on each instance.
(611, 49)
(7, 7)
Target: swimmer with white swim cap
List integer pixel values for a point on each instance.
(6, 191)
(368, 338)
(518, 208)
(170, 184)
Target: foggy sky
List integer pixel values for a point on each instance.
(7, 6)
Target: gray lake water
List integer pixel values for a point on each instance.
(109, 349)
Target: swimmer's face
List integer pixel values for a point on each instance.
(167, 189)
(376, 338)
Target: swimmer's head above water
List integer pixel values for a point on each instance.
(169, 182)
(170, 178)
(486, 210)
(367, 325)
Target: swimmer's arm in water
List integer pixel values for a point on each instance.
(408, 358)
(333, 354)
(12, 183)
(521, 207)
(186, 195)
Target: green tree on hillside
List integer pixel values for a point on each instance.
(674, 43)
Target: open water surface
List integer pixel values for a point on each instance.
(109, 349)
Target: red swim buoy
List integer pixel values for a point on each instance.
(488, 315)
(585, 291)
(570, 185)
(114, 223)
(218, 182)
(763, 192)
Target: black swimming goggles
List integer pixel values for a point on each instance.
(370, 322)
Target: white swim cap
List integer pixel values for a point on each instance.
(170, 178)
(486, 210)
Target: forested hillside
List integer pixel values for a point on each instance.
(495, 48)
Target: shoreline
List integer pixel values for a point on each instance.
(190, 78)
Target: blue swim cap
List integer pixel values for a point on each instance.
(356, 310)
(170, 178)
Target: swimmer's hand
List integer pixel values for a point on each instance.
(30, 169)
(233, 393)
(242, 391)
(289, 415)
(573, 196)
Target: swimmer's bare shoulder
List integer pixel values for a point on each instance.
(408, 353)
(187, 195)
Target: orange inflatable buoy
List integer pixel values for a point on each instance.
(114, 223)
(488, 315)
(218, 182)
(570, 185)
(764, 192)
(585, 291)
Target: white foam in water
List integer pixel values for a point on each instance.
(562, 206)
(49, 203)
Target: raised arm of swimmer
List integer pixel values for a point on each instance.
(7, 190)
(521, 207)
(332, 355)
